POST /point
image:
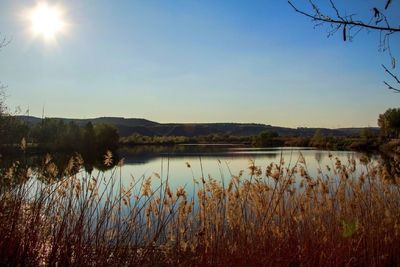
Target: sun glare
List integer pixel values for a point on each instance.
(46, 21)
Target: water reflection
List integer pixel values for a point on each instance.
(214, 161)
(48, 167)
(146, 154)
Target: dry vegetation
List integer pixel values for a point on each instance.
(275, 215)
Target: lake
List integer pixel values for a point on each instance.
(184, 164)
(222, 161)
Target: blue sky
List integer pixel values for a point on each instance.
(195, 61)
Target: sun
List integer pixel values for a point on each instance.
(46, 21)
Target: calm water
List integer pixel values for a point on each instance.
(216, 161)
(219, 162)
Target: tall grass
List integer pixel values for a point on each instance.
(276, 215)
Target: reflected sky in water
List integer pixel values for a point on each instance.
(220, 162)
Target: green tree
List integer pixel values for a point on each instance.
(12, 129)
(365, 134)
(318, 139)
(389, 122)
(71, 138)
(48, 134)
(89, 139)
(266, 138)
(107, 137)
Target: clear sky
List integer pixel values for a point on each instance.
(195, 61)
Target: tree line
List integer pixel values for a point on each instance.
(56, 135)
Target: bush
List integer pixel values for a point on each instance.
(267, 139)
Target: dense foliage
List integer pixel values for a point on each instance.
(54, 134)
(12, 130)
(138, 139)
(389, 122)
(266, 139)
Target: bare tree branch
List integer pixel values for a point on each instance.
(3, 42)
(390, 87)
(387, 4)
(391, 74)
(342, 21)
(351, 27)
(396, 90)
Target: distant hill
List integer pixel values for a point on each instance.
(107, 120)
(129, 126)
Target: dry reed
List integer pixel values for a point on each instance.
(273, 216)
